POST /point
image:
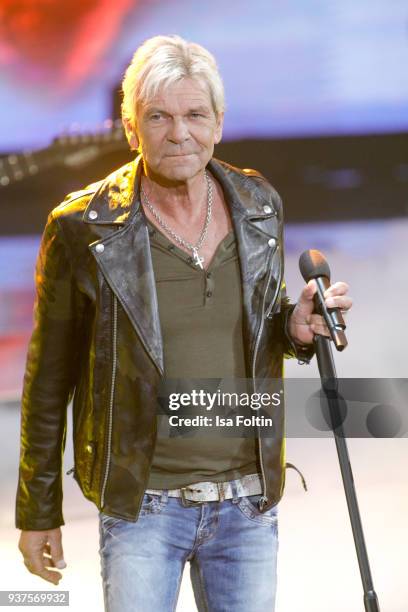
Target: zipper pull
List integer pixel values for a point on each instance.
(70, 471)
(262, 502)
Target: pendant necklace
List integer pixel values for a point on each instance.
(194, 248)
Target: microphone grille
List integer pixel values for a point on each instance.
(312, 264)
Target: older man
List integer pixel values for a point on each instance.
(171, 267)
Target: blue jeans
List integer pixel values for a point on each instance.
(231, 546)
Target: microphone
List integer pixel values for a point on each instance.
(313, 264)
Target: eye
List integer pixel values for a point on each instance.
(155, 116)
(196, 115)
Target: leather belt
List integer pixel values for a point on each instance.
(200, 492)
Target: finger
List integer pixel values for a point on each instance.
(57, 553)
(321, 330)
(308, 292)
(37, 566)
(47, 559)
(339, 301)
(339, 288)
(317, 325)
(316, 320)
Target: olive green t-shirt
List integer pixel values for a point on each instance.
(201, 320)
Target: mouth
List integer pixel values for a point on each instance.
(181, 155)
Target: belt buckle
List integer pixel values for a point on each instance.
(188, 502)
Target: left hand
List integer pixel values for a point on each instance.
(303, 324)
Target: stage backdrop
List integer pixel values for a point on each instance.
(290, 69)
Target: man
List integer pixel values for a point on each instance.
(171, 267)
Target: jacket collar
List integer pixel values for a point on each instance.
(116, 199)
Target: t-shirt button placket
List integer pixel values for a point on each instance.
(209, 286)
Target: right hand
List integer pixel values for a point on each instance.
(41, 550)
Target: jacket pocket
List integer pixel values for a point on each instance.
(84, 466)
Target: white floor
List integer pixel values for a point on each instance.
(318, 570)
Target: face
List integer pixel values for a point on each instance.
(177, 131)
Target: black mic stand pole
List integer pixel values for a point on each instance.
(329, 380)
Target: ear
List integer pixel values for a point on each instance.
(131, 134)
(218, 129)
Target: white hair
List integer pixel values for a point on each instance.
(163, 60)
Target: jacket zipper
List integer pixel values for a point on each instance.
(110, 412)
(264, 500)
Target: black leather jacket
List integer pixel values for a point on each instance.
(97, 340)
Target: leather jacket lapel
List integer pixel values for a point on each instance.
(124, 258)
(257, 233)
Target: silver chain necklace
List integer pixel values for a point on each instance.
(194, 248)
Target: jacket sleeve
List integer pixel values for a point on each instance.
(48, 384)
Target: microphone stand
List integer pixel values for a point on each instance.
(330, 385)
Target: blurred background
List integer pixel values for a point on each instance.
(317, 100)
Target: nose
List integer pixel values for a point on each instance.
(178, 131)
